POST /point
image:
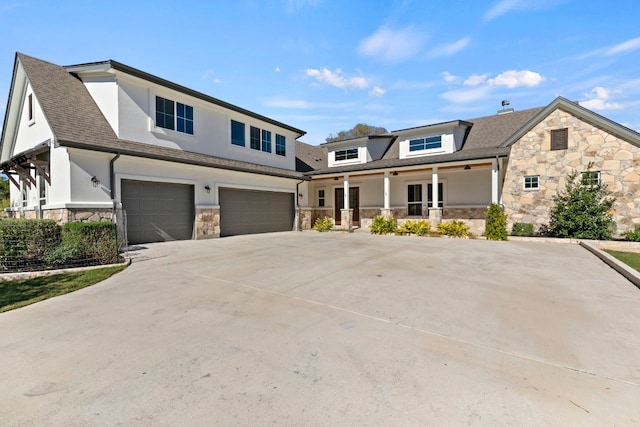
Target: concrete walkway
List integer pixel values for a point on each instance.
(332, 329)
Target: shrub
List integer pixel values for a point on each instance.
(383, 225)
(419, 228)
(24, 243)
(582, 210)
(454, 228)
(633, 235)
(523, 229)
(323, 224)
(496, 223)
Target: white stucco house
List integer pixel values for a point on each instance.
(107, 141)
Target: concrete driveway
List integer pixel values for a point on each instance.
(332, 329)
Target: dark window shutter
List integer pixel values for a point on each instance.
(560, 139)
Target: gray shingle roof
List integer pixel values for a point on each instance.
(76, 121)
(482, 142)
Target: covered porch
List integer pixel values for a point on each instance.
(435, 192)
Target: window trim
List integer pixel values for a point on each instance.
(348, 154)
(281, 145)
(265, 141)
(531, 178)
(585, 174)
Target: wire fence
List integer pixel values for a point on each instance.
(36, 245)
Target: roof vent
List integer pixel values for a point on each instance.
(505, 110)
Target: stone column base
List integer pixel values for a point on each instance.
(435, 216)
(386, 212)
(346, 219)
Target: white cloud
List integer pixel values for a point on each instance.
(277, 70)
(392, 45)
(475, 80)
(449, 49)
(450, 78)
(466, 95)
(513, 79)
(503, 7)
(337, 78)
(624, 47)
(377, 91)
(600, 99)
(210, 75)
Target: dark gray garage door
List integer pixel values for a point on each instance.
(249, 212)
(157, 211)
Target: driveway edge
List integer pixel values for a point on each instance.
(629, 273)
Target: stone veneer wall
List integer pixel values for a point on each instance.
(617, 161)
(207, 223)
(62, 216)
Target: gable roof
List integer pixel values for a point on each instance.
(77, 122)
(483, 141)
(581, 112)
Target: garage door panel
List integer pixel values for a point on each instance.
(158, 211)
(249, 212)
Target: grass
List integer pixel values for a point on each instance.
(19, 293)
(632, 259)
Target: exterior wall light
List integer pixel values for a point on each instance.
(95, 181)
(206, 187)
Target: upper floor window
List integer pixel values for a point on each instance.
(266, 141)
(237, 133)
(425, 143)
(348, 154)
(174, 115)
(254, 138)
(590, 178)
(281, 145)
(559, 139)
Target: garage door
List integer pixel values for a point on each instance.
(249, 212)
(157, 211)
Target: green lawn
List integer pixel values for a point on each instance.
(18, 293)
(632, 259)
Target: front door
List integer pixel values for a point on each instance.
(354, 203)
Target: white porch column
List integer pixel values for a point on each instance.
(386, 210)
(495, 182)
(346, 192)
(435, 212)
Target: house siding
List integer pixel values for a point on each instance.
(616, 159)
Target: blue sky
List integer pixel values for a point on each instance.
(325, 65)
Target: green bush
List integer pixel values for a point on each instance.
(24, 243)
(96, 240)
(419, 228)
(323, 224)
(523, 229)
(582, 210)
(633, 235)
(496, 223)
(383, 225)
(455, 228)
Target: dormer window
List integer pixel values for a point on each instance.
(347, 154)
(421, 144)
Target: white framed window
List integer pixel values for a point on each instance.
(321, 199)
(174, 115)
(429, 143)
(281, 145)
(590, 178)
(347, 154)
(531, 182)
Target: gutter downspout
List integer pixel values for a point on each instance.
(298, 223)
(112, 184)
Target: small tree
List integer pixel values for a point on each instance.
(496, 223)
(583, 209)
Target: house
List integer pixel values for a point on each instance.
(455, 169)
(107, 141)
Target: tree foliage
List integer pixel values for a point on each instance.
(583, 210)
(4, 192)
(359, 130)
